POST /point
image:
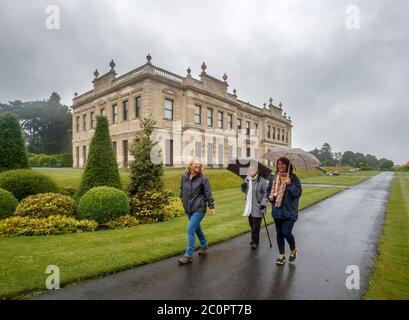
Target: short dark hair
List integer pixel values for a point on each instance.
(286, 162)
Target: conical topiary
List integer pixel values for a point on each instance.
(101, 168)
(12, 149)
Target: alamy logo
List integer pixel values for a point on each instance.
(52, 22)
(352, 281)
(53, 281)
(353, 19)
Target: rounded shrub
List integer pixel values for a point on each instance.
(8, 203)
(23, 183)
(148, 206)
(45, 205)
(103, 204)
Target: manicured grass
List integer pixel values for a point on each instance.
(82, 256)
(402, 174)
(220, 179)
(342, 180)
(390, 278)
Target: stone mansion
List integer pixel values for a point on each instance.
(194, 118)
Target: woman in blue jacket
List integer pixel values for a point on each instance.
(284, 193)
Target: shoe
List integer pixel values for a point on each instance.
(253, 246)
(202, 250)
(293, 255)
(280, 260)
(185, 260)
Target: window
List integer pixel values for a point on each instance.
(125, 107)
(274, 133)
(114, 148)
(286, 136)
(248, 128)
(125, 153)
(138, 105)
(102, 112)
(282, 135)
(256, 129)
(168, 109)
(84, 155)
(92, 120)
(198, 114)
(84, 122)
(114, 114)
(268, 132)
(169, 152)
(229, 122)
(238, 125)
(209, 117)
(77, 156)
(278, 133)
(78, 124)
(248, 152)
(220, 120)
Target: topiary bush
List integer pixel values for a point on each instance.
(13, 153)
(23, 183)
(8, 203)
(101, 168)
(53, 225)
(148, 206)
(103, 204)
(45, 205)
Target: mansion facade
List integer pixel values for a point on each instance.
(194, 118)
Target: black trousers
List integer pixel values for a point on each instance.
(284, 230)
(255, 224)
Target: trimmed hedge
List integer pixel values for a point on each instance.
(45, 205)
(122, 222)
(23, 183)
(53, 225)
(54, 161)
(8, 203)
(103, 204)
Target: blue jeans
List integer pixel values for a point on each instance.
(192, 228)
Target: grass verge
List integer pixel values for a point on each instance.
(390, 278)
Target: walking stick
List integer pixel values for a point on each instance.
(265, 223)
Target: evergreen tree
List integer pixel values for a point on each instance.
(13, 153)
(101, 168)
(145, 175)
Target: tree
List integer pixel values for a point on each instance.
(347, 158)
(12, 148)
(326, 153)
(47, 124)
(101, 168)
(372, 161)
(145, 175)
(385, 164)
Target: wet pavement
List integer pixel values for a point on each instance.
(332, 235)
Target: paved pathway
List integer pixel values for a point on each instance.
(340, 231)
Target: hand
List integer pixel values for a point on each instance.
(287, 181)
(212, 211)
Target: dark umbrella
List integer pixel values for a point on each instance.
(241, 165)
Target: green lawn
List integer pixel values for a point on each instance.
(220, 179)
(345, 179)
(82, 256)
(390, 278)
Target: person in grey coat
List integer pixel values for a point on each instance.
(256, 200)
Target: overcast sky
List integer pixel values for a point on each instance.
(348, 87)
